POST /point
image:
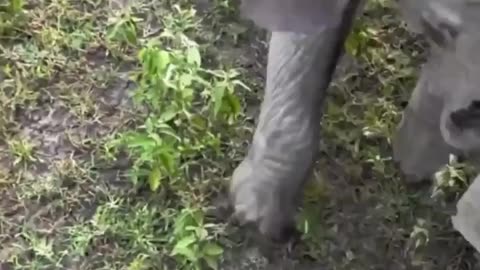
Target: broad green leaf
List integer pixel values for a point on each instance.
(187, 94)
(211, 262)
(138, 263)
(168, 162)
(116, 29)
(234, 103)
(149, 124)
(154, 178)
(16, 5)
(201, 232)
(193, 56)
(145, 156)
(185, 80)
(130, 33)
(185, 242)
(156, 138)
(212, 249)
(131, 37)
(169, 131)
(186, 252)
(199, 122)
(184, 247)
(140, 140)
(198, 216)
(191, 228)
(141, 54)
(218, 94)
(352, 43)
(168, 115)
(183, 221)
(162, 59)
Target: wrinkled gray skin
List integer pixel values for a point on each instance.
(439, 119)
(304, 49)
(266, 185)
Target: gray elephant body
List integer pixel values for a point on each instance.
(435, 121)
(304, 49)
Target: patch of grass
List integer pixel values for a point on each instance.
(22, 150)
(363, 195)
(60, 64)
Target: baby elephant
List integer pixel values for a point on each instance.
(306, 42)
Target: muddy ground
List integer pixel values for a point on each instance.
(68, 201)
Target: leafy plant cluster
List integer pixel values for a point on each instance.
(185, 109)
(9, 11)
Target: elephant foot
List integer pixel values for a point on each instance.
(418, 146)
(257, 201)
(418, 151)
(268, 184)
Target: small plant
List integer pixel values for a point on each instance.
(23, 150)
(10, 11)
(453, 178)
(179, 22)
(123, 30)
(193, 243)
(12, 6)
(182, 100)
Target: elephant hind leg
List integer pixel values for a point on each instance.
(418, 145)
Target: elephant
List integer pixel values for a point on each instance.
(306, 42)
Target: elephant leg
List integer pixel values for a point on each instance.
(300, 16)
(460, 120)
(418, 145)
(267, 184)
